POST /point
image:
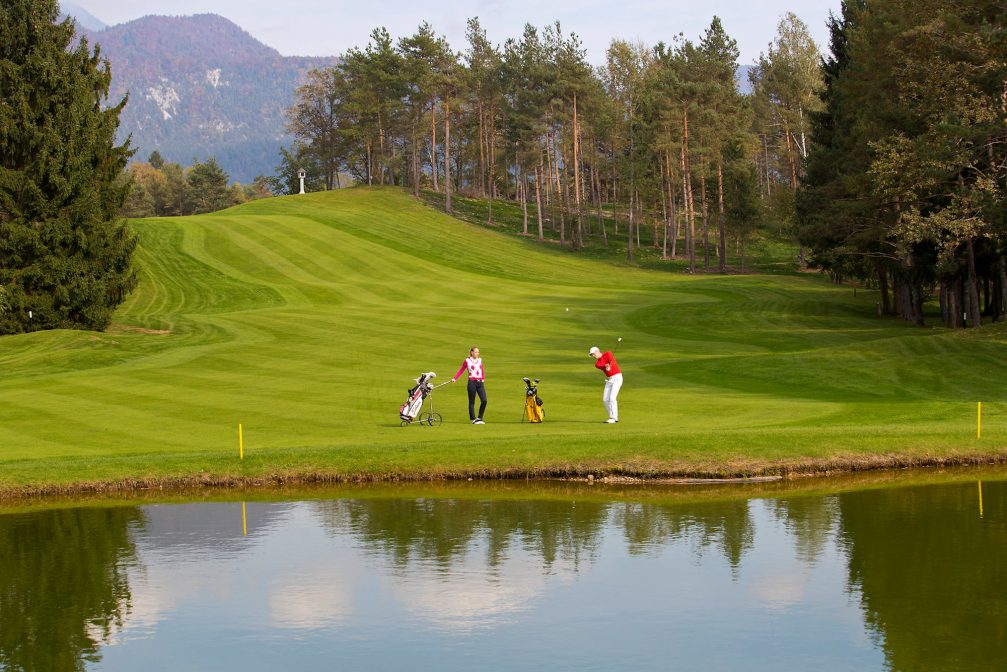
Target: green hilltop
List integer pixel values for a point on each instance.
(305, 319)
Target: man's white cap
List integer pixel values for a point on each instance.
(593, 350)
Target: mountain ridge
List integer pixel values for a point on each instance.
(200, 86)
(84, 18)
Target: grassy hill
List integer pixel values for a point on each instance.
(305, 319)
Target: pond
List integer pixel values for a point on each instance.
(883, 574)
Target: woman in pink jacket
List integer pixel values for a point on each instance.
(474, 365)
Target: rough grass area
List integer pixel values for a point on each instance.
(305, 319)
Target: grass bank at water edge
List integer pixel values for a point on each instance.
(304, 319)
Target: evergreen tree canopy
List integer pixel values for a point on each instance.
(907, 176)
(64, 253)
(208, 191)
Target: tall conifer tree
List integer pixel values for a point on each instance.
(64, 252)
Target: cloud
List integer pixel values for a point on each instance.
(311, 600)
(468, 597)
(778, 590)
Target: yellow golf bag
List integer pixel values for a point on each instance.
(533, 411)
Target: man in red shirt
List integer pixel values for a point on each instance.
(613, 381)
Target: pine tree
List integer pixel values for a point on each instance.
(722, 113)
(64, 252)
(207, 188)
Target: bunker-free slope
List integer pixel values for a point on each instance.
(305, 318)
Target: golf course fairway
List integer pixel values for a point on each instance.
(305, 319)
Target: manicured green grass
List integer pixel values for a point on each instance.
(764, 250)
(305, 319)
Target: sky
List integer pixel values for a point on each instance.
(330, 27)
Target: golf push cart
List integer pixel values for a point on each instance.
(412, 411)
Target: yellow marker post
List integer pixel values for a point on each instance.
(241, 444)
(980, 499)
(979, 421)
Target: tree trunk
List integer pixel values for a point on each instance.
(615, 205)
(562, 185)
(804, 140)
(908, 295)
(576, 176)
(637, 227)
(538, 198)
(685, 206)
(601, 216)
(975, 312)
(996, 300)
(674, 224)
(447, 155)
(943, 296)
(369, 176)
(416, 161)
(765, 146)
(791, 158)
(433, 143)
(558, 203)
(706, 215)
(482, 151)
(721, 232)
(550, 143)
(459, 153)
(524, 202)
(1003, 282)
(492, 184)
(629, 230)
(955, 304)
(882, 273)
(381, 152)
(575, 240)
(492, 151)
(687, 173)
(664, 213)
(654, 237)
(673, 208)
(916, 294)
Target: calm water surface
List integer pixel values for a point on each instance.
(901, 577)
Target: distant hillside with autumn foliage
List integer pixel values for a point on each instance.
(200, 86)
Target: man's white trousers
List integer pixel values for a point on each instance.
(611, 395)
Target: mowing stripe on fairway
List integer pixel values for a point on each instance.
(306, 318)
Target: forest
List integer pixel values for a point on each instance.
(655, 135)
(883, 160)
(160, 188)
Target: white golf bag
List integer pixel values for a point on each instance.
(414, 402)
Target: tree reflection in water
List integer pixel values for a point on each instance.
(931, 573)
(810, 521)
(924, 569)
(444, 531)
(724, 526)
(63, 585)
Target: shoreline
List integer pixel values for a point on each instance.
(730, 473)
